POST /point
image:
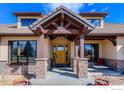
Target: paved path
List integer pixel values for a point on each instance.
(60, 76)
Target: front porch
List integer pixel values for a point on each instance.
(66, 76)
(60, 33)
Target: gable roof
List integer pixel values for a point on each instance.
(66, 11)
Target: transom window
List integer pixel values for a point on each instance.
(96, 22)
(27, 22)
(23, 51)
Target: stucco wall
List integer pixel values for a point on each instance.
(109, 50)
(4, 45)
(96, 42)
(120, 48)
(106, 49)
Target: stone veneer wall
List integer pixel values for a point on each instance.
(120, 66)
(114, 64)
(111, 63)
(16, 69)
(20, 69)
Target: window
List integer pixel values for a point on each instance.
(91, 51)
(27, 22)
(96, 22)
(23, 51)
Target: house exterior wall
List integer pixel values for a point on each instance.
(27, 17)
(101, 21)
(110, 51)
(110, 54)
(107, 51)
(113, 55)
(8, 68)
(120, 53)
(4, 44)
(120, 48)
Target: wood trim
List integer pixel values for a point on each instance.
(48, 24)
(73, 23)
(62, 19)
(55, 25)
(113, 40)
(67, 25)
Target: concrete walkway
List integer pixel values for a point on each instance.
(61, 76)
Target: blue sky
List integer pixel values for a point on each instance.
(116, 11)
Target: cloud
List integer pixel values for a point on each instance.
(93, 10)
(90, 4)
(104, 9)
(73, 6)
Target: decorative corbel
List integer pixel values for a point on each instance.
(113, 40)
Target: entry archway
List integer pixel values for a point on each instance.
(60, 51)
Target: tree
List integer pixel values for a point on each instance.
(28, 50)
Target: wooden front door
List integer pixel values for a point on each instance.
(60, 55)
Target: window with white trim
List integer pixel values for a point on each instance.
(27, 22)
(95, 22)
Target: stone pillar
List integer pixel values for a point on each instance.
(82, 68)
(41, 68)
(81, 46)
(75, 65)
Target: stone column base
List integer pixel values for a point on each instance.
(75, 65)
(41, 68)
(82, 68)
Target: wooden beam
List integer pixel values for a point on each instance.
(62, 19)
(73, 23)
(48, 24)
(55, 25)
(60, 31)
(113, 40)
(84, 30)
(67, 25)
